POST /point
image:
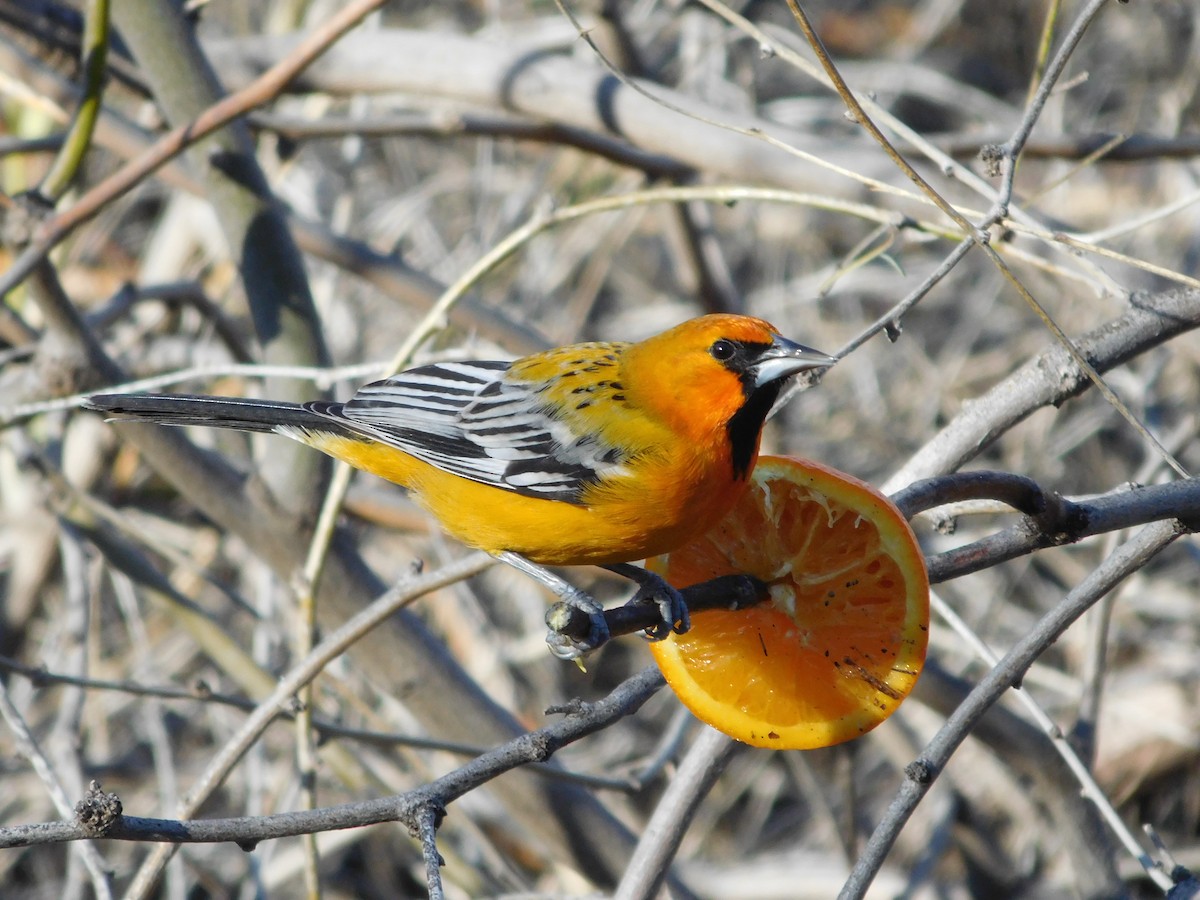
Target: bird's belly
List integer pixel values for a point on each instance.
(623, 521)
(613, 526)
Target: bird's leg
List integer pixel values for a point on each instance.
(561, 645)
(653, 589)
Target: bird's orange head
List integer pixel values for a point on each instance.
(716, 378)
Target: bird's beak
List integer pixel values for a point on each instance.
(784, 358)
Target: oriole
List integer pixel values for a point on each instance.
(589, 454)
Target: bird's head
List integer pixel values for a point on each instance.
(753, 350)
(719, 373)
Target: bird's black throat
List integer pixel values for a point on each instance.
(745, 426)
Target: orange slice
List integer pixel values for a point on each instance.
(842, 640)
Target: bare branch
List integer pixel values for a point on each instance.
(921, 773)
(1051, 378)
(578, 721)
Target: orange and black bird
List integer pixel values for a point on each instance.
(597, 453)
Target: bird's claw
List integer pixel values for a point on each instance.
(577, 626)
(672, 608)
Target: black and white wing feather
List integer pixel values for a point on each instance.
(466, 418)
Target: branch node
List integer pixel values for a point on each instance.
(22, 217)
(1060, 520)
(573, 707)
(98, 812)
(920, 771)
(992, 156)
(541, 747)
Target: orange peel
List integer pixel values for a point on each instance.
(842, 640)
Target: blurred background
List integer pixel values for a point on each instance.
(321, 232)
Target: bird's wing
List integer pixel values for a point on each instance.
(468, 419)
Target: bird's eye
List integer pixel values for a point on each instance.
(722, 351)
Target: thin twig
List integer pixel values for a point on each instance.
(578, 721)
(70, 157)
(1065, 522)
(1051, 377)
(27, 744)
(978, 232)
(1078, 768)
(699, 770)
(428, 820)
(1128, 558)
(337, 642)
(200, 692)
(263, 89)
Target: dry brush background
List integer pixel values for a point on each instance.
(321, 230)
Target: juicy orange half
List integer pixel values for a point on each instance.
(842, 640)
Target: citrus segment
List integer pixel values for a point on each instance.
(843, 637)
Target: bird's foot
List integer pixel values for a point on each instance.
(653, 589)
(577, 626)
(672, 608)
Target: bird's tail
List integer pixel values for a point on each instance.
(215, 412)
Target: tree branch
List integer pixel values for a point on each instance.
(1127, 559)
(578, 721)
(1051, 378)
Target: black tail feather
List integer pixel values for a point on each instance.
(215, 412)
